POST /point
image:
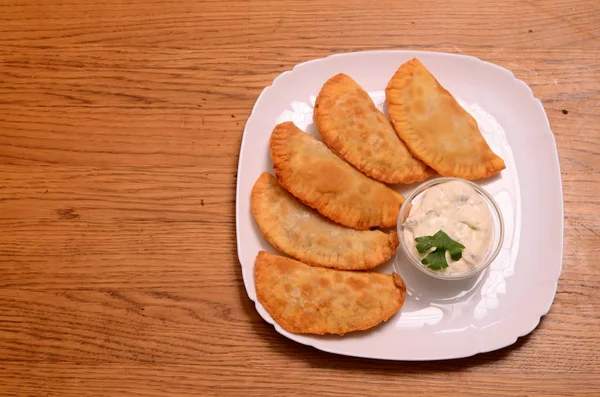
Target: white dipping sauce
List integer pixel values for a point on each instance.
(459, 211)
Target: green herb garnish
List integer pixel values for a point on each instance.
(436, 260)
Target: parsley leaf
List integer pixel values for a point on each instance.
(436, 260)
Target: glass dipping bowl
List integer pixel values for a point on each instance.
(497, 238)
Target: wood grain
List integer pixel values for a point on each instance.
(120, 127)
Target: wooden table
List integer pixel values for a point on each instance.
(120, 128)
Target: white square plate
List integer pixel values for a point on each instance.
(438, 320)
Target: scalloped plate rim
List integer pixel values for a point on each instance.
(524, 330)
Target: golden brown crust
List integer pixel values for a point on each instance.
(305, 167)
(435, 127)
(311, 300)
(306, 235)
(353, 127)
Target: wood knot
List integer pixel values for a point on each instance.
(67, 213)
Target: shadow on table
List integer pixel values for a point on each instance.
(318, 359)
